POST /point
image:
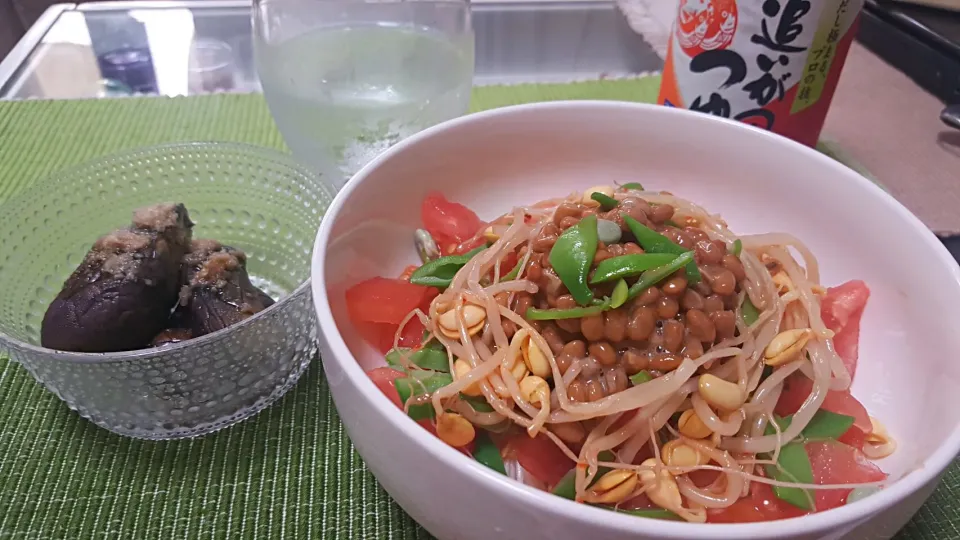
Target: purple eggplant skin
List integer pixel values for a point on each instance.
(177, 328)
(218, 292)
(123, 292)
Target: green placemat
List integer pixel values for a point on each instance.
(289, 472)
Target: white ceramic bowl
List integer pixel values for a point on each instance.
(908, 373)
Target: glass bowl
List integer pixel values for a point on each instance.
(254, 199)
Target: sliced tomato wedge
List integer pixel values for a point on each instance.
(836, 463)
(796, 389)
(378, 335)
(624, 419)
(384, 300)
(509, 262)
(448, 222)
(541, 458)
(467, 245)
(383, 378)
(412, 334)
(408, 271)
(854, 437)
(841, 309)
(378, 305)
(761, 505)
(703, 478)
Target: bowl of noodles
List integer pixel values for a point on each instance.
(611, 320)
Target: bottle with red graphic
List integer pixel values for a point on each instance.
(771, 63)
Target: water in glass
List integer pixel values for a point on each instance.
(345, 79)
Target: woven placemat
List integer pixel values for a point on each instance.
(289, 472)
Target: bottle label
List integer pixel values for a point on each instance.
(770, 63)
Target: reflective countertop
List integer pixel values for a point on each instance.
(107, 49)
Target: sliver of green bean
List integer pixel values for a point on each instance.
(572, 256)
(653, 242)
(534, 314)
(439, 272)
(606, 202)
(626, 266)
(652, 277)
(648, 279)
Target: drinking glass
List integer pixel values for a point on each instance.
(211, 67)
(346, 79)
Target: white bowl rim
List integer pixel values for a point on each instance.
(7, 341)
(844, 517)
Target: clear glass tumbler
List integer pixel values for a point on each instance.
(211, 67)
(346, 79)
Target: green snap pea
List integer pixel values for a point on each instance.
(749, 311)
(415, 384)
(652, 277)
(478, 403)
(439, 272)
(641, 377)
(737, 247)
(626, 266)
(767, 371)
(793, 465)
(619, 295)
(637, 186)
(825, 425)
(567, 486)
(426, 358)
(653, 242)
(650, 240)
(535, 314)
(487, 453)
(572, 255)
(606, 202)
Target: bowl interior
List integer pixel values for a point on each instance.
(758, 182)
(254, 199)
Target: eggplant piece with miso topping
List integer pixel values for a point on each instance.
(218, 292)
(178, 327)
(123, 292)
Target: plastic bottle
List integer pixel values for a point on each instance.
(771, 63)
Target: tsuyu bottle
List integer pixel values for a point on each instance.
(771, 63)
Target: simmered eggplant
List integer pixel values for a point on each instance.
(218, 292)
(122, 294)
(177, 328)
(171, 336)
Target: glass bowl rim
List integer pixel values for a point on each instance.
(8, 342)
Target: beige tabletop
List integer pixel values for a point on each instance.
(880, 118)
(891, 126)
